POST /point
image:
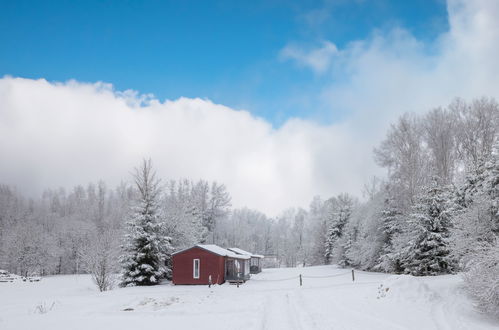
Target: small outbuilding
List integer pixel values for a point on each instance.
(209, 263)
(255, 261)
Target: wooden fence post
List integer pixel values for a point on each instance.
(301, 281)
(353, 276)
(209, 281)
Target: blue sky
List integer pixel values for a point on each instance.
(226, 51)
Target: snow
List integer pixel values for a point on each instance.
(221, 251)
(246, 253)
(272, 299)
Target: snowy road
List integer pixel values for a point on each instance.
(273, 299)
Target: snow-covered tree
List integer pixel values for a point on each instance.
(389, 227)
(429, 252)
(341, 209)
(217, 208)
(477, 216)
(477, 128)
(30, 250)
(482, 279)
(439, 126)
(317, 226)
(330, 240)
(403, 154)
(193, 211)
(99, 258)
(146, 247)
(492, 187)
(346, 257)
(183, 214)
(472, 185)
(363, 230)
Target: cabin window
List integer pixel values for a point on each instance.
(195, 268)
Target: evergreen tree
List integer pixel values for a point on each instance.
(388, 259)
(329, 246)
(429, 254)
(146, 249)
(346, 245)
(341, 211)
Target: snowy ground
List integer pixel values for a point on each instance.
(328, 299)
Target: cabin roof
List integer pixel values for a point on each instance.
(217, 250)
(246, 253)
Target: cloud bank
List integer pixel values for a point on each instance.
(66, 134)
(63, 134)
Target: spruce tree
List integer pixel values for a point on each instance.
(346, 247)
(329, 246)
(388, 260)
(341, 211)
(145, 260)
(429, 254)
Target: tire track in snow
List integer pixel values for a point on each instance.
(279, 313)
(306, 310)
(264, 312)
(292, 313)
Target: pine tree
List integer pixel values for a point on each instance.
(388, 259)
(346, 247)
(329, 246)
(430, 254)
(146, 249)
(341, 211)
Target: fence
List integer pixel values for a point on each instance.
(301, 277)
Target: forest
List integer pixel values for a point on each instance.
(436, 211)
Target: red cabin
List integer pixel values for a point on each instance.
(197, 264)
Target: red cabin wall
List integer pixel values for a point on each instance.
(209, 264)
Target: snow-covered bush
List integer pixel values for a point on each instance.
(100, 259)
(483, 279)
(472, 231)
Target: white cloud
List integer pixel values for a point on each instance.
(318, 59)
(392, 72)
(72, 133)
(375, 80)
(66, 134)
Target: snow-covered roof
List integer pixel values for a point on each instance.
(246, 253)
(221, 251)
(218, 250)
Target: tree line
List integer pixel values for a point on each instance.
(437, 210)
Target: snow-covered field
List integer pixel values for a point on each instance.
(328, 299)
